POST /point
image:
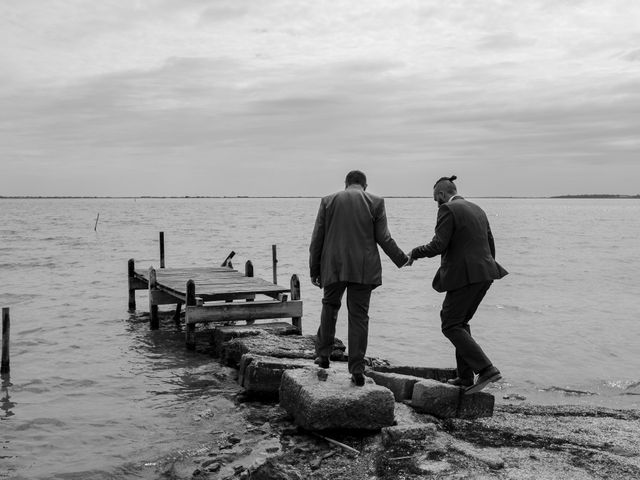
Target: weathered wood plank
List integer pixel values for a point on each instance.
(243, 311)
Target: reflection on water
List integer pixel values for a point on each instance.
(6, 405)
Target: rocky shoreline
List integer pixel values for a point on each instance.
(259, 440)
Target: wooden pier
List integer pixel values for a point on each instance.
(214, 294)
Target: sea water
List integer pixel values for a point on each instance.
(93, 393)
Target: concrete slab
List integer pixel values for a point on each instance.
(434, 373)
(222, 334)
(269, 345)
(447, 401)
(335, 403)
(260, 375)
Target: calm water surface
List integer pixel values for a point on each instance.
(94, 394)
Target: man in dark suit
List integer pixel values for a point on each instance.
(343, 255)
(464, 240)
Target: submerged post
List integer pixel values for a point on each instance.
(4, 365)
(161, 249)
(274, 254)
(132, 291)
(190, 327)
(295, 295)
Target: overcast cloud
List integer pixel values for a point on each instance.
(160, 97)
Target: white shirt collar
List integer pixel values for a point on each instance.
(454, 197)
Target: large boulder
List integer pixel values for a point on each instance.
(269, 345)
(448, 401)
(319, 399)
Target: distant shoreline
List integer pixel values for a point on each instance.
(71, 197)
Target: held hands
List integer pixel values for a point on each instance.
(316, 281)
(409, 261)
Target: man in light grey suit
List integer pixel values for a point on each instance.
(343, 255)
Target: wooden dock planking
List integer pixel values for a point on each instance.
(214, 284)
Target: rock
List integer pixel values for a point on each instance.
(440, 374)
(415, 431)
(222, 334)
(260, 375)
(492, 461)
(335, 403)
(447, 401)
(401, 385)
(270, 345)
(275, 471)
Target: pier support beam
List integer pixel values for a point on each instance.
(190, 328)
(4, 365)
(154, 320)
(161, 249)
(274, 255)
(132, 290)
(295, 295)
(248, 272)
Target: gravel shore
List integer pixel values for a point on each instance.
(523, 441)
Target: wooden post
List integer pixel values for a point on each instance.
(295, 295)
(248, 272)
(132, 291)
(154, 321)
(274, 255)
(190, 327)
(176, 315)
(161, 249)
(4, 365)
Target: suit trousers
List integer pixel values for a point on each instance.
(358, 297)
(458, 308)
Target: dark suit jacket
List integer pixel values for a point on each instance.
(463, 238)
(344, 245)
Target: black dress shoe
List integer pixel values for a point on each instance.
(460, 382)
(492, 374)
(358, 379)
(322, 362)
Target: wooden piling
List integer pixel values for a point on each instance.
(132, 290)
(190, 327)
(274, 255)
(154, 320)
(161, 249)
(4, 364)
(295, 295)
(248, 269)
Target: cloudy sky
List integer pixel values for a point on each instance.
(275, 97)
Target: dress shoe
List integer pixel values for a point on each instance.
(492, 374)
(358, 379)
(322, 362)
(460, 382)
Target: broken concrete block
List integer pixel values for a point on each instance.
(440, 374)
(222, 334)
(447, 401)
(260, 376)
(400, 385)
(269, 345)
(335, 403)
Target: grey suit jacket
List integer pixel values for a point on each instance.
(344, 245)
(464, 240)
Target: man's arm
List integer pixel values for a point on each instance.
(441, 239)
(384, 239)
(315, 248)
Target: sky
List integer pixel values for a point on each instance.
(274, 97)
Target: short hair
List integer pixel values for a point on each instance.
(356, 176)
(446, 184)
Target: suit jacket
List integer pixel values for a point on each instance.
(464, 240)
(344, 245)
